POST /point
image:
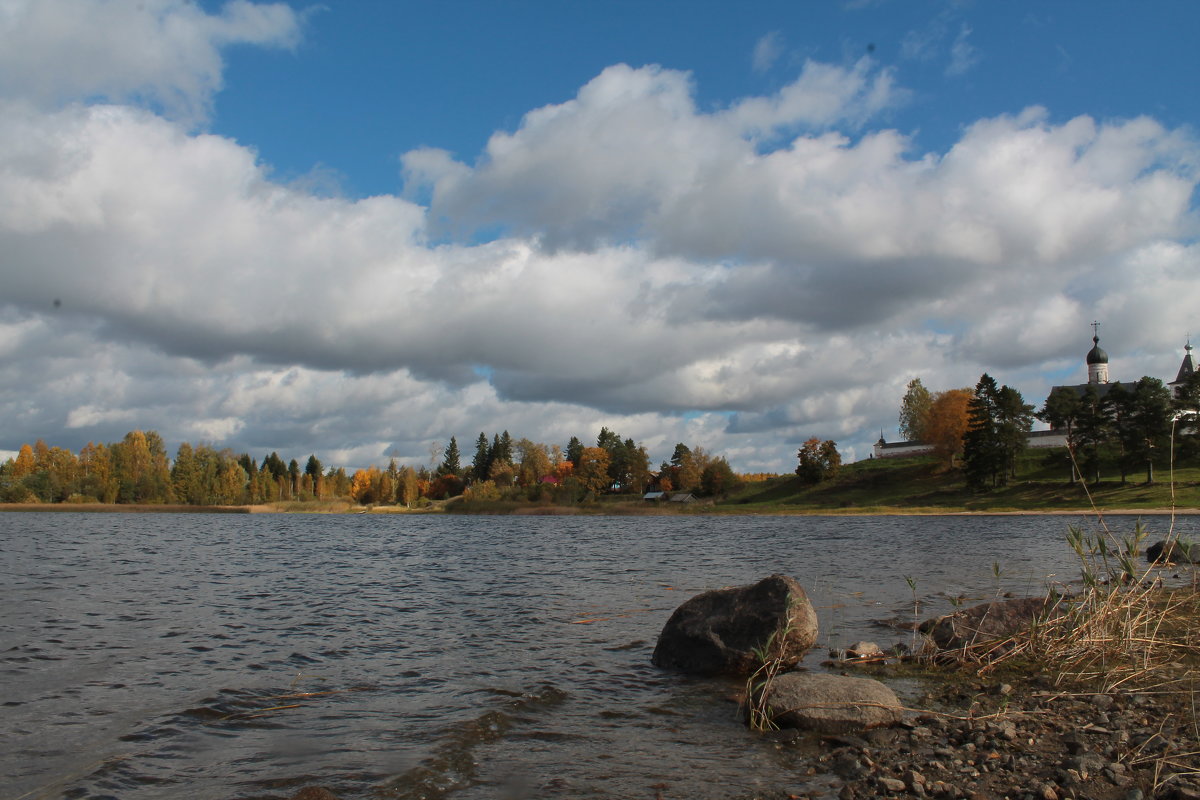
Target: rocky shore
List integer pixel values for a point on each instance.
(1029, 741)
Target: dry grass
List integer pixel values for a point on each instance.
(1124, 631)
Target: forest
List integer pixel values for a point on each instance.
(138, 470)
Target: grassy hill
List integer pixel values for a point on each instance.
(916, 485)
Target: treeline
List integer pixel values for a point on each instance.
(137, 469)
(1127, 425)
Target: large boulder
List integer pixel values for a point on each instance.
(989, 623)
(719, 632)
(1173, 551)
(830, 704)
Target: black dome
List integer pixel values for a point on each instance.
(1096, 355)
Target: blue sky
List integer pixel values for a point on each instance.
(360, 228)
(373, 80)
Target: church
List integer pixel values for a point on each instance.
(1097, 368)
(1097, 372)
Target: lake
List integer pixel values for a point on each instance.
(417, 656)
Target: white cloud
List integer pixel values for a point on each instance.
(163, 51)
(767, 51)
(739, 278)
(963, 55)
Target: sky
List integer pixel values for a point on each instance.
(361, 227)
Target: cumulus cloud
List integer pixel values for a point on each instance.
(740, 278)
(166, 52)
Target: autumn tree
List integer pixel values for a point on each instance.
(534, 462)
(24, 464)
(947, 423)
(407, 490)
(914, 411)
(592, 471)
(364, 485)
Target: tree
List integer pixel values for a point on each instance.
(592, 471)
(819, 461)
(483, 458)
(983, 454)
(1092, 426)
(313, 469)
(24, 465)
(1187, 407)
(534, 462)
(717, 478)
(1014, 420)
(1061, 412)
(947, 423)
(1147, 422)
(407, 491)
(914, 411)
(574, 450)
(450, 461)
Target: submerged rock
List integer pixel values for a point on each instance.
(718, 632)
(988, 623)
(830, 704)
(1173, 552)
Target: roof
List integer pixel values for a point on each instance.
(1097, 355)
(1187, 368)
(1102, 389)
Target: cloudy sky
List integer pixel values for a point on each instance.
(355, 228)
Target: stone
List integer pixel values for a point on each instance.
(831, 704)
(864, 650)
(1172, 552)
(719, 632)
(314, 793)
(987, 623)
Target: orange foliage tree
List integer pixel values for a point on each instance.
(947, 423)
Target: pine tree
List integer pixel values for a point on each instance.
(483, 458)
(450, 465)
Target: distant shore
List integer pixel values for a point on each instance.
(534, 510)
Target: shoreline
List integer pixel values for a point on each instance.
(624, 510)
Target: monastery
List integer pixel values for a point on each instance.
(1097, 371)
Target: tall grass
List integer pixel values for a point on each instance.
(1122, 629)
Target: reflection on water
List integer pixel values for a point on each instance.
(213, 656)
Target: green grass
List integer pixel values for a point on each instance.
(916, 485)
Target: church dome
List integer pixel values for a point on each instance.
(1097, 355)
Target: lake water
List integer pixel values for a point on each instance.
(228, 656)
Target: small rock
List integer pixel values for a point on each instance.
(1047, 792)
(863, 650)
(892, 784)
(314, 793)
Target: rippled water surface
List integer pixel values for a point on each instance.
(223, 656)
